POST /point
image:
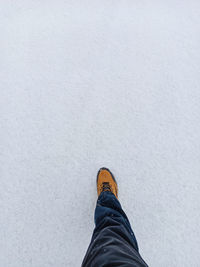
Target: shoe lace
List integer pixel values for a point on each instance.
(106, 187)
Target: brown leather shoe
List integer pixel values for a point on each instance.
(106, 182)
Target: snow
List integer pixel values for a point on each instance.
(87, 84)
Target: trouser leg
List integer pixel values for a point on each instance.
(109, 205)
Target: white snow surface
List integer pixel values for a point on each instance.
(87, 84)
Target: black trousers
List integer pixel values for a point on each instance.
(113, 242)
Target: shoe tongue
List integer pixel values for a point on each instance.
(106, 186)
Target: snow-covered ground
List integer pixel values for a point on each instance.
(86, 84)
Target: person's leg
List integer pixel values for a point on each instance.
(109, 205)
(113, 242)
